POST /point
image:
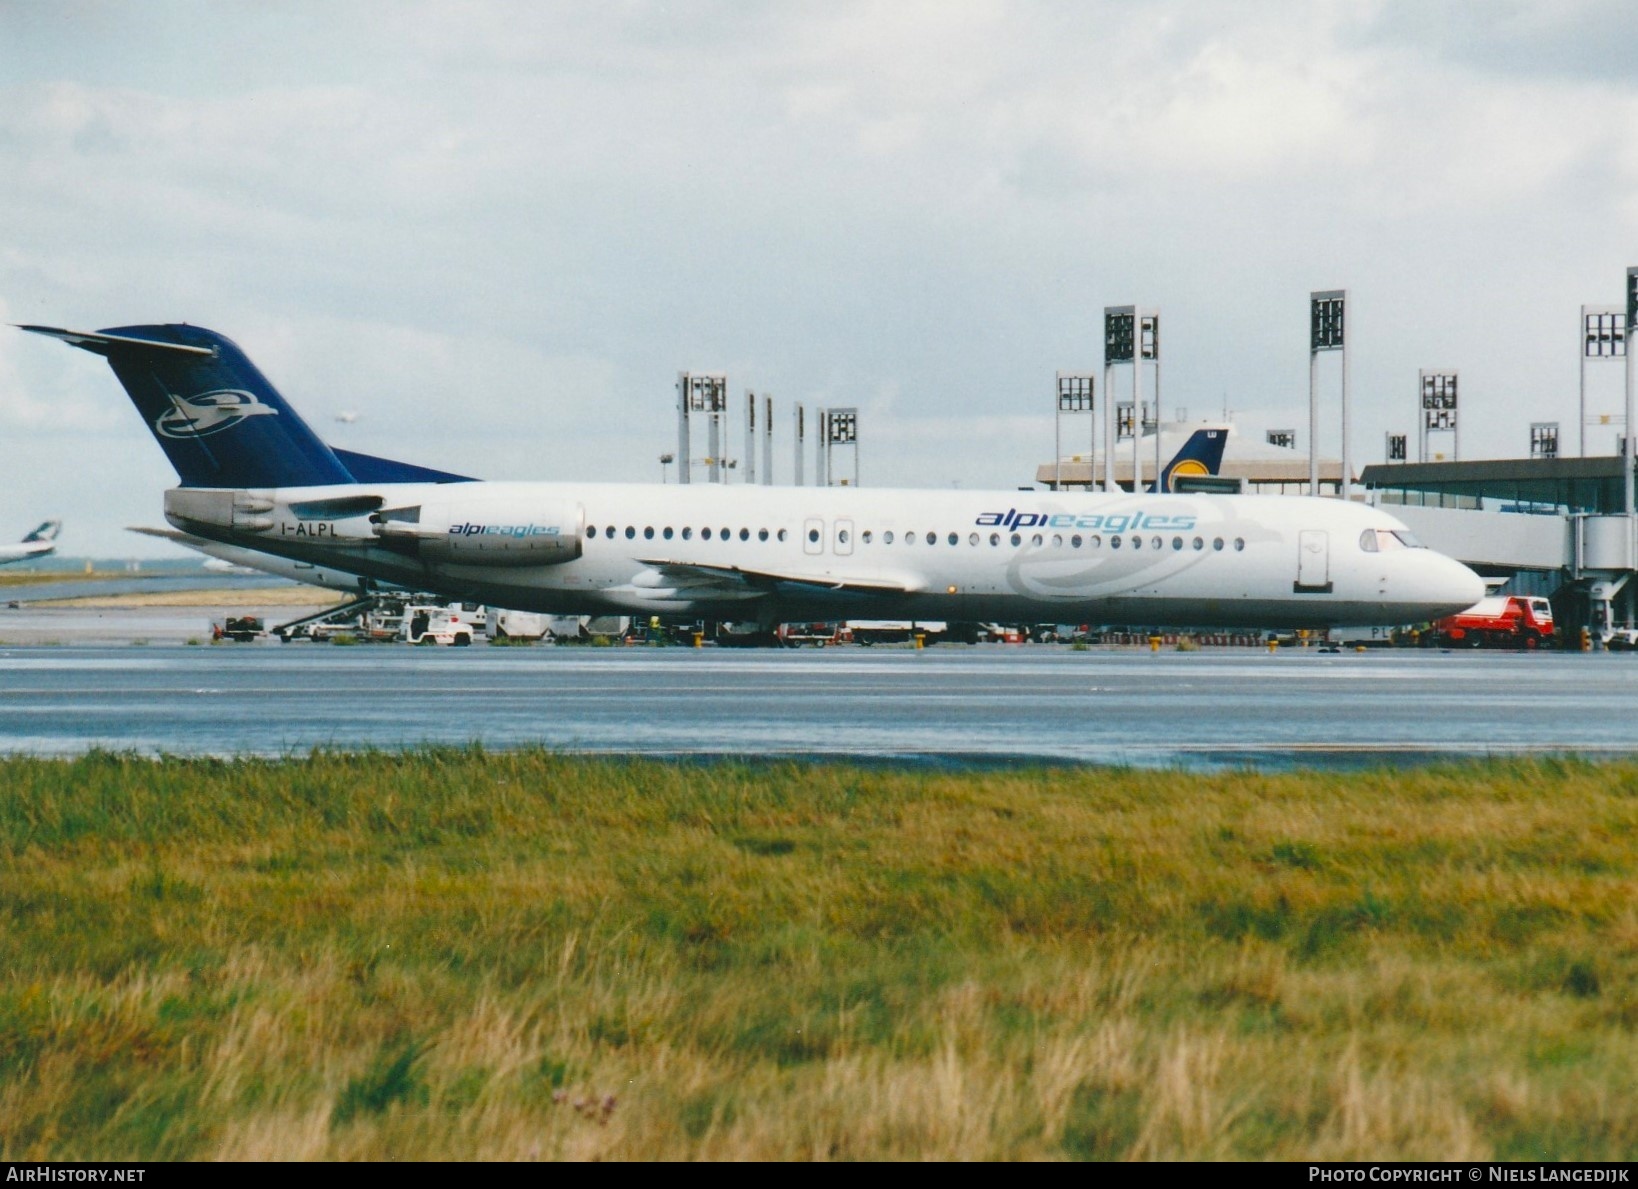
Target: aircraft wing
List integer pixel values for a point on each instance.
(696, 574)
(266, 563)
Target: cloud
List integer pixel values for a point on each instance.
(536, 214)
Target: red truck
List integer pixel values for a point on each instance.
(1500, 621)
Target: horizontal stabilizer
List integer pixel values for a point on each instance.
(101, 343)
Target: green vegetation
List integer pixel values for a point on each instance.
(450, 954)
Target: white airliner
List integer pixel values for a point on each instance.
(38, 543)
(254, 475)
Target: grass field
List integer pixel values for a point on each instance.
(469, 956)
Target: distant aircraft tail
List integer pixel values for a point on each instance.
(1202, 454)
(46, 532)
(218, 419)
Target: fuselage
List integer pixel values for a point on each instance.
(775, 554)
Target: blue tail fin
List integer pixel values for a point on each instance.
(46, 532)
(1202, 454)
(218, 419)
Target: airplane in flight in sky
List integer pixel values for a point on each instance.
(253, 474)
(38, 543)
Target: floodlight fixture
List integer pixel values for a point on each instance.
(1327, 331)
(1075, 397)
(708, 392)
(1075, 392)
(1632, 401)
(704, 393)
(1118, 334)
(1603, 337)
(1327, 320)
(838, 427)
(801, 441)
(767, 440)
(1124, 421)
(1438, 394)
(1544, 439)
(1603, 332)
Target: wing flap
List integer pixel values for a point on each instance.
(686, 573)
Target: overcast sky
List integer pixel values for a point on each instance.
(496, 232)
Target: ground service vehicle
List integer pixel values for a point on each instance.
(436, 625)
(242, 628)
(1500, 621)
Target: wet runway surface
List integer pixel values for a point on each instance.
(955, 705)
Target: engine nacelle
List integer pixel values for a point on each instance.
(488, 532)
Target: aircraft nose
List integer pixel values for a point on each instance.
(1454, 585)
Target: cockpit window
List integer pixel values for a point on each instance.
(1380, 540)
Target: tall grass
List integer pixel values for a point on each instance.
(449, 954)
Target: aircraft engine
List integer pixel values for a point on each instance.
(480, 532)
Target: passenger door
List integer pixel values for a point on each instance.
(1313, 562)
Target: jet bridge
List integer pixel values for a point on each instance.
(1560, 519)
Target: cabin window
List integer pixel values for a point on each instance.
(813, 535)
(1239, 544)
(1036, 539)
(954, 538)
(591, 531)
(761, 534)
(909, 538)
(1057, 540)
(1177, 543)
(705, 534)
(1016, 539)
(866, 536)
(648, 533)
(1094, 541)
(631, 531)
(744, 534)
(842, 536)
(887, 537)
(1199, 543)
(688, 533)
(1217, 544)
(609, 532)
(1157, 543)
(667, 533)
(782, 534)
(995, 538)
(1137, 541)
(932, 538)
(1075, 541)
(1114, 542)
(726, 533)
(972, 538)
